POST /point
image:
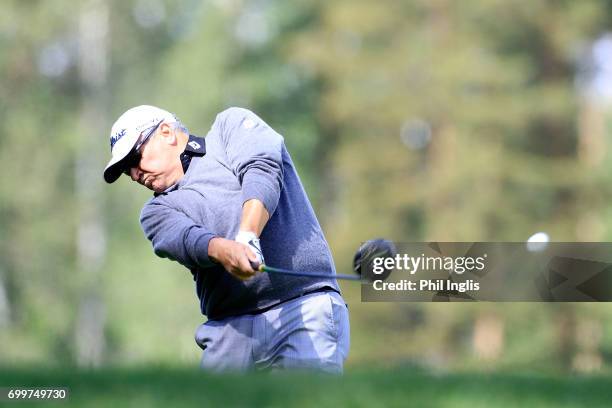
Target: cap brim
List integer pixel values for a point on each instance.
(114, 169)
(120, 155)
(118, 162)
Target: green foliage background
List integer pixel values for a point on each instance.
(513, 144)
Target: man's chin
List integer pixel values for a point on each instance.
(156, 189)
(153, 187)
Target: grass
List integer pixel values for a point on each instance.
(176, 387)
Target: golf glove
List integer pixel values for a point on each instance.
(249, 239)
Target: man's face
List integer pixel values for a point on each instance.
(160, 166)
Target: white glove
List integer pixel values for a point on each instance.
(249, 239)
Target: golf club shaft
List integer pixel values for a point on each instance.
(269, 269)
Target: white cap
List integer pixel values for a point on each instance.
(126, 131)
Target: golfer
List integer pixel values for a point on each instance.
(222, 205)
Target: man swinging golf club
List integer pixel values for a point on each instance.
(221, 204)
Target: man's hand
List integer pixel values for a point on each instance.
(249, 239)
(235, 257)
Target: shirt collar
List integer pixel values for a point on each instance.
(195, 147)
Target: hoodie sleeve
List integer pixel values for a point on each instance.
(254, 153)
(175, 236)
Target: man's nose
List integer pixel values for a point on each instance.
(134, 173)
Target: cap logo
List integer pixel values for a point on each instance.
(115, 138)
(195, 145)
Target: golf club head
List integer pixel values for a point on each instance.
(367, 252)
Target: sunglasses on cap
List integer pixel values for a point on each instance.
(134, 156)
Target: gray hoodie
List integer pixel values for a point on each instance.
(245, 159)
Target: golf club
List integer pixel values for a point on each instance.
(362, 260)
(269, 269)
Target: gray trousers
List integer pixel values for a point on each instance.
(310, 332)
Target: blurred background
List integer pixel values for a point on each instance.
(415, 120)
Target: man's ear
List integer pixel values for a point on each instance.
(167, 134)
